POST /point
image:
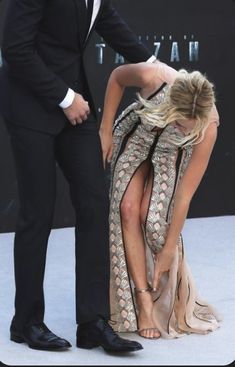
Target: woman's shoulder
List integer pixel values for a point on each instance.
(165, 72)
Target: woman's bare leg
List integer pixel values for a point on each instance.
(145, 204)
(135, 248)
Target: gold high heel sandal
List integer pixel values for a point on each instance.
(139, 331)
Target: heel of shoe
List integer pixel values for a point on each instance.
(16, 338)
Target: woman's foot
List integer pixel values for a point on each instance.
(146, 327)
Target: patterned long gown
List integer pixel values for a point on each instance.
(178, 309)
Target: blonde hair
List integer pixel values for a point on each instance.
(191, 96)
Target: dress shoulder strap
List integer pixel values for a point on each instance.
(157, 91)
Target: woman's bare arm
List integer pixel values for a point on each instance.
(189, 184)
(130, 75)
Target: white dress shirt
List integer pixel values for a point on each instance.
(68, 100)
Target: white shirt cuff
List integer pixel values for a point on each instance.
(68, 100)
(152, 59)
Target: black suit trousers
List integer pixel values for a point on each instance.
(78, 152)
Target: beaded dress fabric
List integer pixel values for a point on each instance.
(178, 309)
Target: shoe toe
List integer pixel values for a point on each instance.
(130, 345)
(64, 343)
(61, 343)
(137, 346)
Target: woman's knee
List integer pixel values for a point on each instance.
(130, 212)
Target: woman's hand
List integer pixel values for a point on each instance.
(106, 138)
(163, 262)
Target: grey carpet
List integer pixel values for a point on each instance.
(210, 252)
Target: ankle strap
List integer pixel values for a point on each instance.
(143, 290)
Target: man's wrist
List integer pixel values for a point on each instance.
(68, 100)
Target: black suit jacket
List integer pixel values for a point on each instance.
(43, 55)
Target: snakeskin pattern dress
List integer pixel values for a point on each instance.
(177, 307)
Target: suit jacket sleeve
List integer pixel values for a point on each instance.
(19, 51)
(119, 36)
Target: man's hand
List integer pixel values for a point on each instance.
(78, 111)
(107, 144)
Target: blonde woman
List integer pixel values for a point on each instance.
(159, 149)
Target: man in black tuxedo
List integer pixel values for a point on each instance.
(50, 116)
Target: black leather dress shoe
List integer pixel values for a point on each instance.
(39, 337)
(100, 334)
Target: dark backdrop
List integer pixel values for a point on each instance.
(184, 33)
